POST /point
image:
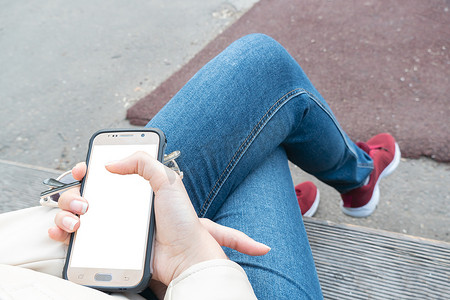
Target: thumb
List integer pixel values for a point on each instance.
(146, 166)
(234, 239)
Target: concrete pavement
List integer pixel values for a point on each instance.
(69, 69)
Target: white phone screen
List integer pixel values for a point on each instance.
(114, 231)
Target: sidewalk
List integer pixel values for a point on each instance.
(70, 68)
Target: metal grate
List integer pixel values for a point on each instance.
(354, 262)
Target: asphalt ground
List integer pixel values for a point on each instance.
(71, 68)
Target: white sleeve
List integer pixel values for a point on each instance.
(25, 248)
(18, 283)
(213, 279)
(25, 241)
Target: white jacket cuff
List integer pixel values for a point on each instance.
(213, 279)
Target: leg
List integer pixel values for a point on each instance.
(239, 108)
(227, 121)
(265, 206)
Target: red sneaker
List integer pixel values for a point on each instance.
(384, 151)
(308, 197)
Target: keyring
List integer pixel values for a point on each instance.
(170, 162)
(66, 181)
(60, 184)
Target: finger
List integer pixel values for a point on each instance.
(79, 171)
(234, 239)
(67, 221)
(59, 235)
(73, 202)
(146, 166)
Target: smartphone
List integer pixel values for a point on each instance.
(112, 249)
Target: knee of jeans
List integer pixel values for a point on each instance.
(261, 50)
(257, 39)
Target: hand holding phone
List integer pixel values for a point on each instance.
(182, 239)
(113, 250)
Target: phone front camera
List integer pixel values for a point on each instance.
(142, 135)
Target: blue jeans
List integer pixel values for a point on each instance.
(237, 123)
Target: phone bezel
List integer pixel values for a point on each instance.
(138, 279)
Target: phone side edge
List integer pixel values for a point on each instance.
(147, 272)
(152, 234)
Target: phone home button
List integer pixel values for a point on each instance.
(103, 277)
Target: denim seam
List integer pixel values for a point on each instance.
(246, 144)
(318, 103)
(341, 131)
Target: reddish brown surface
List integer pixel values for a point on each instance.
(382, 65)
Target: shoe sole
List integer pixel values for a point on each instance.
(369, 208)
(312, 210)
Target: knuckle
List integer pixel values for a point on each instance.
(141, 153)
(178, 179)
(141, 156)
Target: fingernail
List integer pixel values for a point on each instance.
(69, 222)
(111, 163)
(78, 206)
(265, 246)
